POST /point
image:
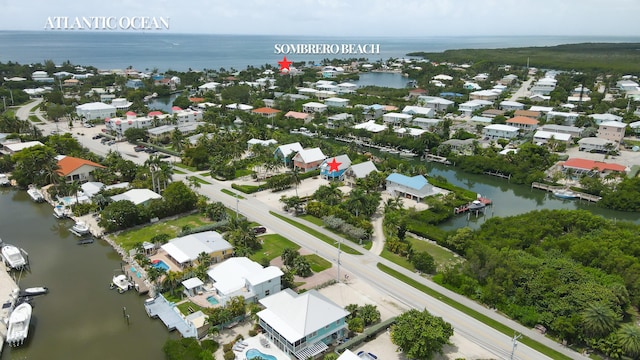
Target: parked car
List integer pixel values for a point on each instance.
(164, 156)
(111, 142)
(95, 137)
(87, 125)
(139, 148)
(259, 229)
(104, 140)
(150, 150)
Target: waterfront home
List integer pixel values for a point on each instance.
(359, 171)
(266, 112)
(612, 130)
(415, 188)
(137, 196)
(371, 126)
(346, 88)
(500, 131)
(333, 168)
(336, 102)
(591, 167)
(121, 103)
(463, 147)
(396, 119)
(511, 105)
(134, 84)
(595, 144)
(543, 137)
(184, 251)
(95, 110)
(418, 110)
(469, 107)
(308, 159)
(285, 152)
(314, 107)
(241, 107)
(336, 120)
(91, 188)
(302, 325)
(524, 123)
(240, 276)
(76, 169)
(600, 118)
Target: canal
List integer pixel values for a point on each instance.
(80, 317)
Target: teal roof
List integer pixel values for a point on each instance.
(417, 182)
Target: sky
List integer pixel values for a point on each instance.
(405, 18)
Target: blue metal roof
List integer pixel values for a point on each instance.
(417, 182)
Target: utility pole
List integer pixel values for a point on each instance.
(516, 336)
(237, 203)
(339, 251)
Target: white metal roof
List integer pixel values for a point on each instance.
(541, 134)
(187, 248)
(289, 148)
(232, 274)
(192, 283)
(137, 196)
(311, 155)
(363, 169)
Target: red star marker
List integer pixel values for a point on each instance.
(333, 165)
(284, 64)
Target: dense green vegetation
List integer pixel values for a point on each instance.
(617, 57)
(554, 268)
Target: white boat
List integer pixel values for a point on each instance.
(407, 153)
(13, 257)
(61, 212)
(35, 194)
(80, 228)
(33, 291)
(18, 327)
(4, 180)
(476, 205)
(121, 283)
(565, 194)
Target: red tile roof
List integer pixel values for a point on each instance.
(196, 99)
(522, 120)
(592, 164)
(176, 108)
(69, 164)
(297, 115)
(154, 113)
(265, 110)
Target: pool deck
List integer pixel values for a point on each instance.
(254, 343)
(141, 283)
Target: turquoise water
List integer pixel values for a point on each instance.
(161, 265)
(212, 300)
(254, 353)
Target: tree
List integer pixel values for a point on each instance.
(420, 335)
(599, 320)
(179, 198)
(302, 266)
(120, 215)
(369, 314)
(34, 165)
(288, 256)
(423, 262)
(629, 339)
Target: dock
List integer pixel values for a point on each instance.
(436, 158)
(85, 241)
(467, 207)
(9, 291)
(552, 188)
(137, 277)
(497, 174)
(170, 315)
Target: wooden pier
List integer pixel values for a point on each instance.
(467, 207)
(552, 188)
(497, 174)
(436, 158)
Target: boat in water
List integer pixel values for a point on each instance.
(121, 283)
(476, 205)
(4, 180)
(61, 212)
(18, 326)
(565, 194)
(33, 291)
(80, 228)
(13, 257)
(35, 194)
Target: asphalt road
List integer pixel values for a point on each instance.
(363, 266)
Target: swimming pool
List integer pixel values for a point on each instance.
(212, 300)
(254, 353)
(159, 264)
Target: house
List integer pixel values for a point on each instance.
(302, 325)
(511, 105)
(209, 86)
(286, 152)
(12, 148)
(336, 102)
(193, 286)
(76, 169)
(200, 323)
(425, 124)
(41, 76)
(137, 196)
(435, 103)
(418, 110)
(396, 119)
(524, 123)
(472, 86)
(591, 167)
(414, 93)
(253, 141)
(539, 98)
(334, 121)
(463, 147)
(314, 107)
(308, 159)
(373, 111)
(240, 276)
(492, 113)
(544, 110)
(266, 112)
(612, 130)
(469, 107)
(544, 86)
(627, 85)
(121, 103)
(489, 95)
(241, 107)
(407, 131)
(543, 137)
(594, 144)
(568, 118)
(134, 84)
(157, 133)
(346, 88)
(184, 251)
(574, 131)
(415, 188)
(371, 126)
(499, 131)
(333, 168)
(95, 110)
(359, 171)
(306, 117)
(528, 113)
(600, 118)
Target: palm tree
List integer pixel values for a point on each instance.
(393, 204)
(599, 320)
(629, 339)
(73, 188)
(356, 201)
(171, 280)
(295, 178)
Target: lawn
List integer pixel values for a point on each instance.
(128, 239)
(442, 257)
(201, 181)
(317, 221)
(242, 172)
(317, 263)
(176, 171)
(181, 165)
(34, 119)
(184, 307)
(272, 247)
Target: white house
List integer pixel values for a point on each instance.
(500, 131)
(418, 110)
(511, 105)
(544, 86)
(371, 126)
(184, 251)
(314, 107)
(359, 171)
(600, 118)
(415, 188)
(435, 103)
(240, 276)
(543, 137)
(336, 102)
(568, 117)
(594, 144)
(121, 103)
(396, 119)
(469, 107)
(95, 110)
(426, 124)
(137, 196)
(490, 95)
(612, 130)
(334, 121)
(574, 131)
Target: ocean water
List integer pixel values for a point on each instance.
(181, 52)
